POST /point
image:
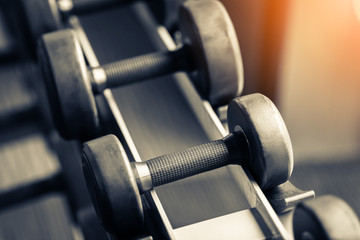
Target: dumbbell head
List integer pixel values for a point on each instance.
(271, 160)
(214, 49)
(68, 86)
(325, 217)
(112, 186)
(206, 26)
(256, 115)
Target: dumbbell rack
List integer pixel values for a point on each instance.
(165, 115)
(43, 193)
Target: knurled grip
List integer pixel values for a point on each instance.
(145, 67)
(188, 162)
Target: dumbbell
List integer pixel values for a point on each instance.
(48, 15)
(209, 46)
(258, 139)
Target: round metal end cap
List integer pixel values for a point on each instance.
(68, 85)
(271, 160)
(207, 28)
(112, 186)
(325, 217)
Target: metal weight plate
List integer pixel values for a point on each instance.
(271, 150)
(42, 16)
(112, 186)
(207, 27)
(88, 221)
(325, 217)
(68, 85)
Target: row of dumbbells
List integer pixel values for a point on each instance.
(209, 50)
(71, 86)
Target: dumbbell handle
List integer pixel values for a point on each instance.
(179, 165)
(142, 67)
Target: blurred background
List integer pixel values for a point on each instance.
(303, 54)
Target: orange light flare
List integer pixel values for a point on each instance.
(320, 82)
